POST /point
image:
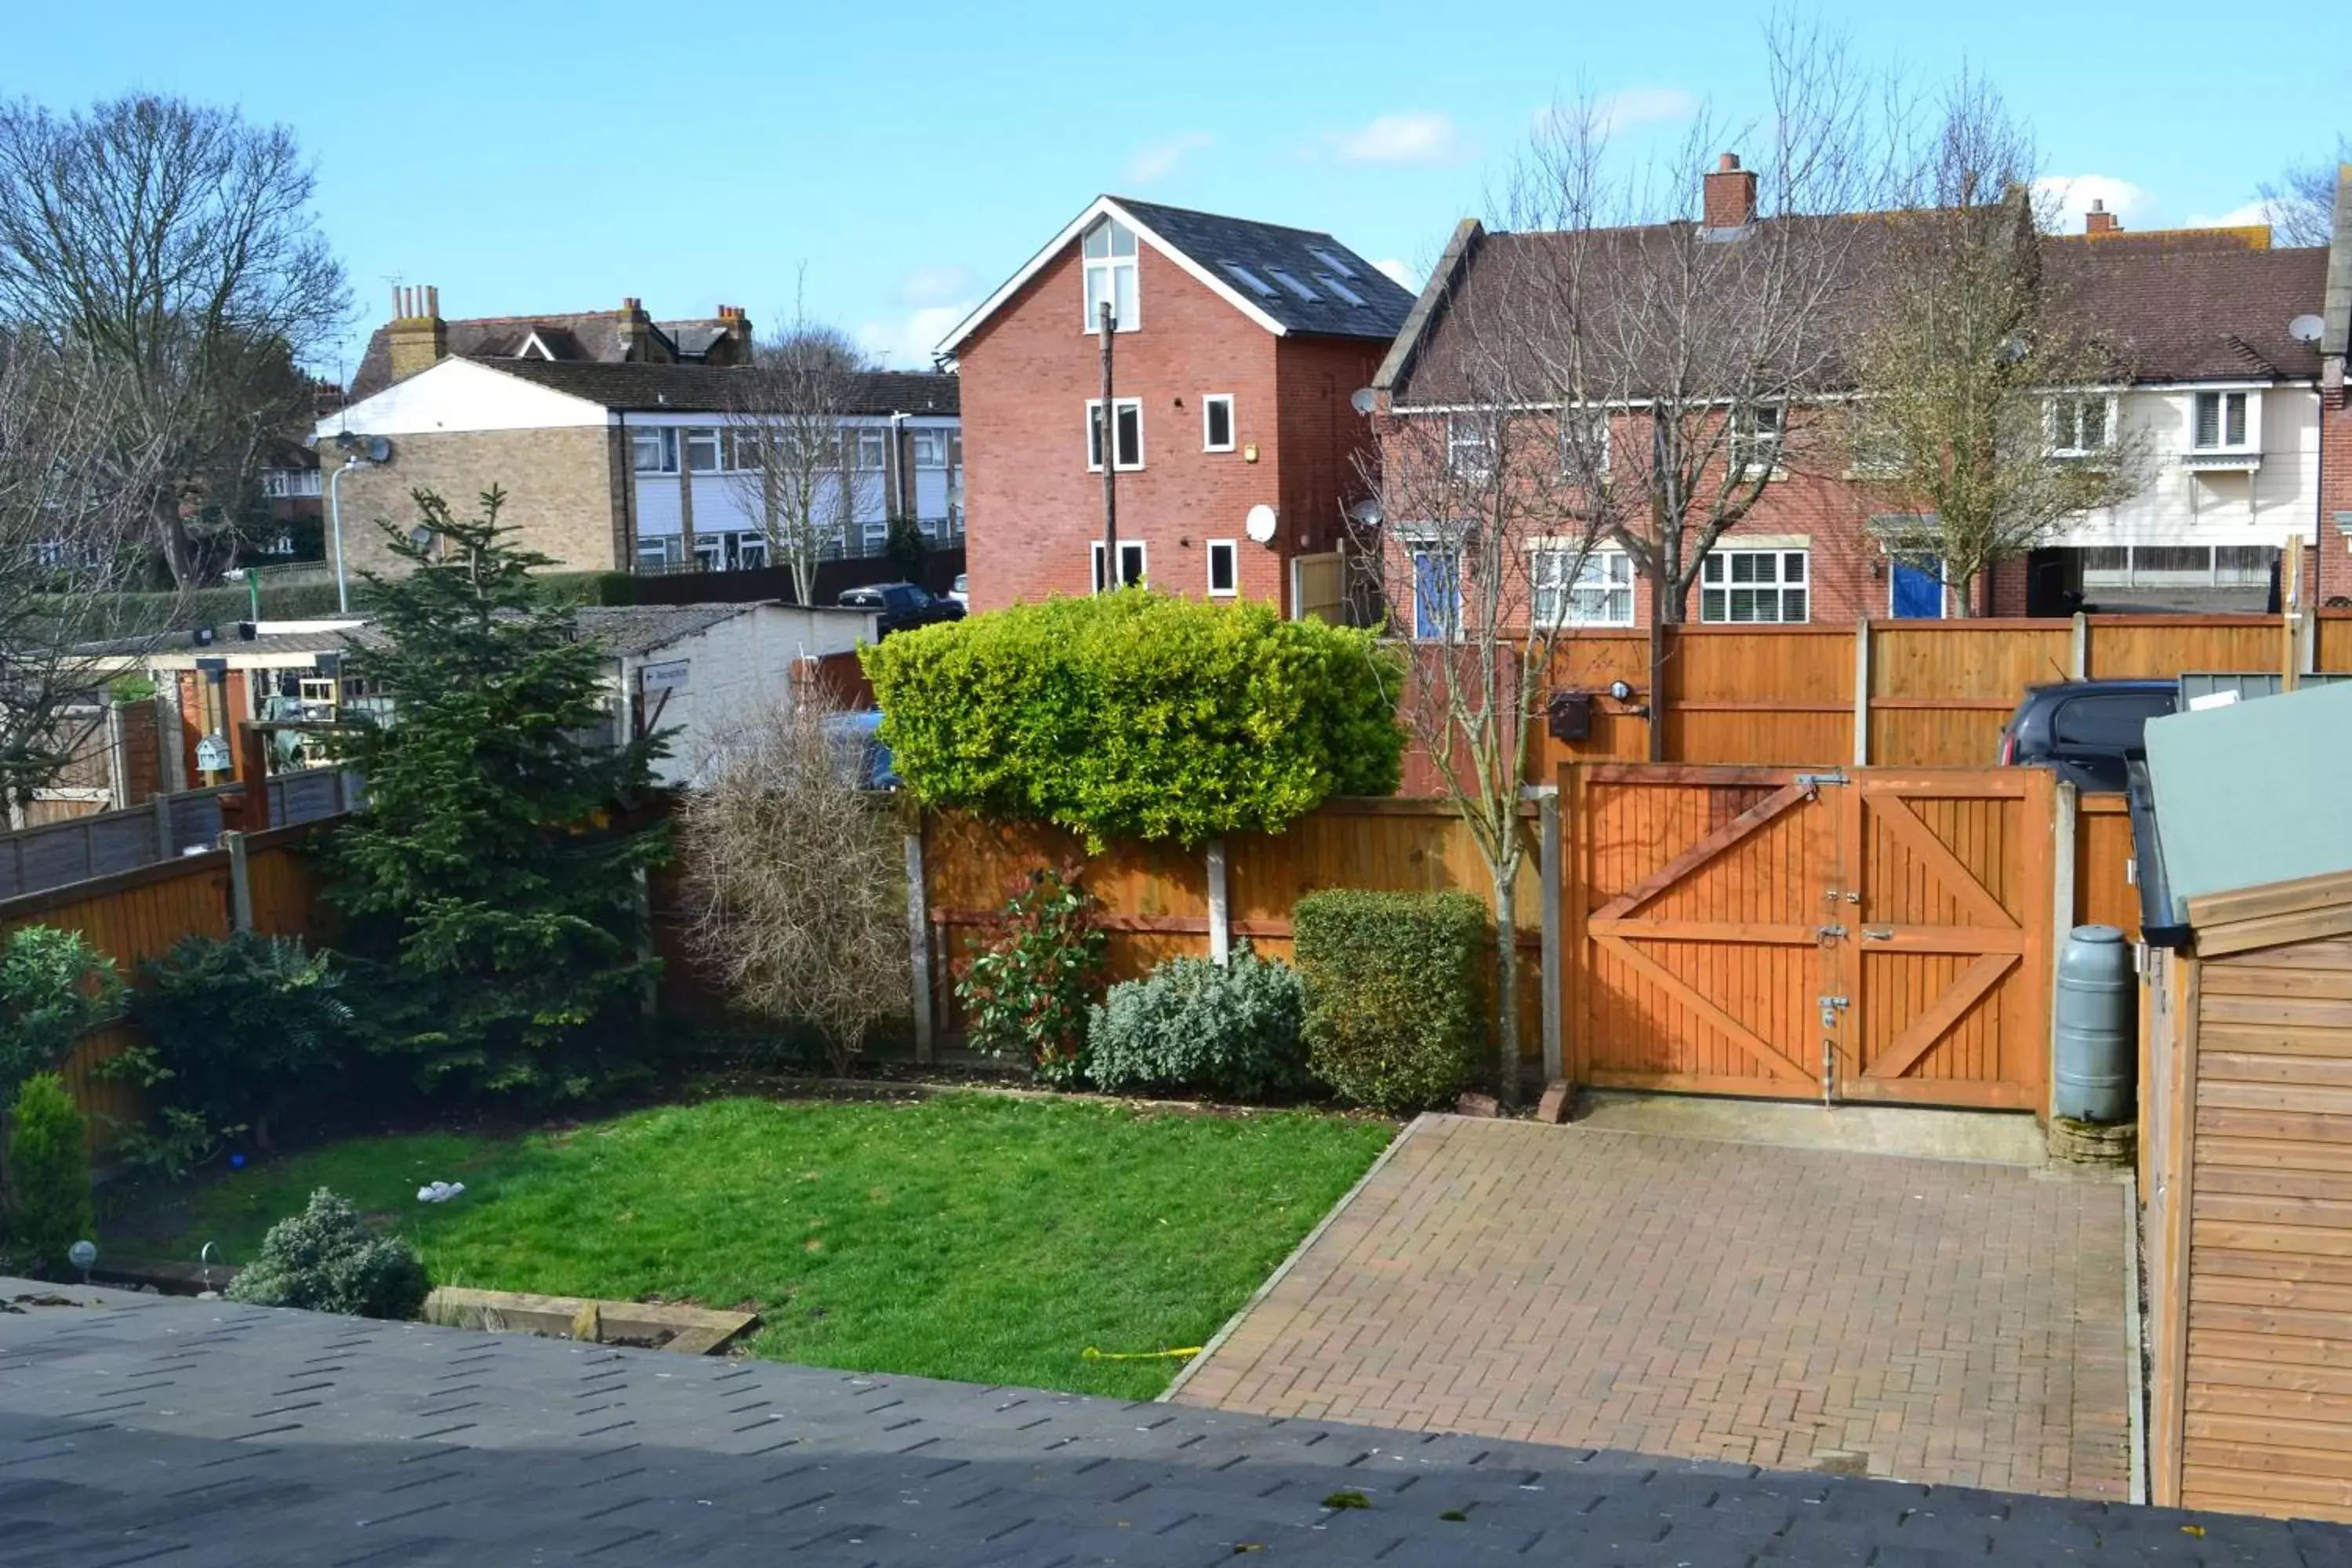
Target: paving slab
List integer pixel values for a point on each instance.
(1956, 1323)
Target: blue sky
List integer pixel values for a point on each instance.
(894, 162)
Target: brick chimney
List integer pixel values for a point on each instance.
(635, 331)
(417, 336)
(738, 350)
(2099, 220)
(1730, 194)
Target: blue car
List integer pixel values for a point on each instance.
(859, 735)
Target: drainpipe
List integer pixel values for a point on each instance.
(335, 517)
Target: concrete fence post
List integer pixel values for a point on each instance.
(1861, 692)
(919, 945)
(164, 846)
(240, 882)
(1221, 923)
(1547, 868)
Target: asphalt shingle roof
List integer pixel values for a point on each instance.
(206, 1435)
(1319, 264)
(715, 389)
(628, 630)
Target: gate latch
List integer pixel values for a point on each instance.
(1831, 1007)
(1824, 936)
(1812, 782)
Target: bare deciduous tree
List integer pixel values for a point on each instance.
(172, 244)
(2300, 204)
(73, 520)
(1703, 336)
(798, 466)
(795, 877)
(1980, 407)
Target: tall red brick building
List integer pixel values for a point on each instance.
(1238, 350)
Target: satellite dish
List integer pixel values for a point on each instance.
(1362, 401)
(378, 451)
(1260, 524)
(2305, 328)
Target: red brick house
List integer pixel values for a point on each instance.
(1238, 348)
(2225, 381)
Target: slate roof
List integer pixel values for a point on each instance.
(206, 1435)
(629, 630)
(715, 389)
(2176, 305)
(1217, 243)
(586, 335)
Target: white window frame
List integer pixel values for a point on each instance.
(2078, 401)
(1233, 430)
(704, 435)
(933, 441)
(1469, 434)
(1231, 550)
(874, 443)
(1756, 452)
(1719, 560)
(1605, 572)
(1596, 417)
(1118, 406)
(1108, 267)
(665, 440)
(1128, 548)
(2249, 421)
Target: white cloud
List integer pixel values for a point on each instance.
(2068, 196)
(1637, 106)
(1155, 162)
(1398, 270)
(935, 285)
(2236, 217)
(1417, 136)
(910, 340)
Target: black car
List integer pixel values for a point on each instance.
(903, 606)
(2085, 730)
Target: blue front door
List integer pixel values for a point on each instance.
(1918, 593)
(1436, 594)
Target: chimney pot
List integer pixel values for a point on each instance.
(2099, 220)
(1727, 164)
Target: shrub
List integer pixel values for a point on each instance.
(325, 1260)
(240, 1036)
(54, 988)
(1138, 715)
(1029, 983)
(1231, 1030)
(48, 1173)
(1396, 993)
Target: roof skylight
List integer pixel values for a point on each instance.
(1295, 285)
(1336, 265)
(1256, 285)
(1339, 287)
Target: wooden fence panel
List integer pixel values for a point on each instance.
(2332, 648)
(2160, 646)
(1760, 696)
(2104, 892)
(1940, 690)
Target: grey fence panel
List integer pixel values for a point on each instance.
(38, 858)
(196, 822)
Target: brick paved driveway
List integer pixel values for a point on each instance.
(1927, 1320)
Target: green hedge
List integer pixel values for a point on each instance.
(1396, 993)
(1139, 715)
(1191, 1027)
(230, 602)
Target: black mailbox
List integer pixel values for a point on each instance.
(1570, 715)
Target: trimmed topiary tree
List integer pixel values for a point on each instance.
(325, 1259)
(1139, 715)
(1396, 993)
(49, 1174)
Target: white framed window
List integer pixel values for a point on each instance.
(1224, 568)
(930, 448)
(1878, 452)
(2222, 422)
(873, 536)
(658, 555)
(1217, 422)
(2081, 424)
(653, 452)
(1131, 562)
(746, 448)
(752, 550)
(1755, 438)
(872, 450)
(1761, 586)
(710, 553)
(1597, 590)
(1108, 250)
(702, 455)
(1583, 439)
(1127, 414)
(1469, 445)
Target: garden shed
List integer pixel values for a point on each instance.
(2245, 866)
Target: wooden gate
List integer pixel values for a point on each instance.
(1858, 935)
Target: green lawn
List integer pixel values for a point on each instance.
(976, 1236)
